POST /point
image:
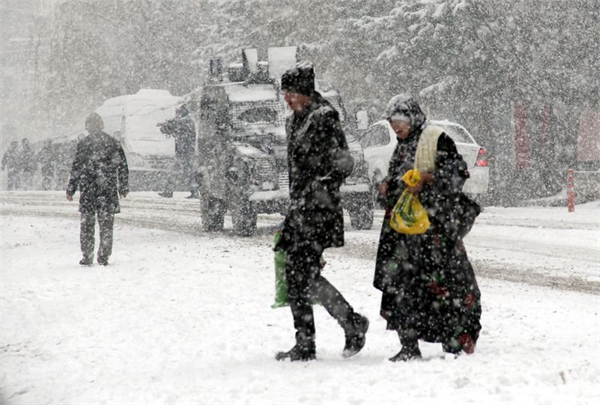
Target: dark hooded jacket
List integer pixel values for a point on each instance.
(421, 276)
(27, 159)
(10, 160)
(47, 158)
(185, 134)
(100, 172)
(318, 163)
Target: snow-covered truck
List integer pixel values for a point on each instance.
(133, 119)
(242, 159)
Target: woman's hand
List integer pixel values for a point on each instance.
(383, 189)
(426, 178)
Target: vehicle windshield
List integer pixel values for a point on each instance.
(257, 116)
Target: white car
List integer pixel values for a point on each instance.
(379, 142)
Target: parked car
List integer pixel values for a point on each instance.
(379, 141)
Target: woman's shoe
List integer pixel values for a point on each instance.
(407, 354)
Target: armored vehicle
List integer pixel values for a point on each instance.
(242, 155)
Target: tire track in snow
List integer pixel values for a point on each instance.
(354, 248)
(497, 271)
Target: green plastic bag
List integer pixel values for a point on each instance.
(281, 294)
(281, 288)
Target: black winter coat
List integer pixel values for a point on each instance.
(27, 159)
(100, 172)
(47, 159)
(449, 177)
(185, 137)
(318, 163)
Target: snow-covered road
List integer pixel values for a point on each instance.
(182, 316)
(538, 246)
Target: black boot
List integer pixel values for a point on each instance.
(406, 354)
(298, 353)
(85, 262)
(166, 194)
(356, 338)
(410, 348)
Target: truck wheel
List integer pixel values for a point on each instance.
(212, 212)
(244, 218)
(361, 217)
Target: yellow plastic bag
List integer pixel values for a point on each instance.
(409, 216)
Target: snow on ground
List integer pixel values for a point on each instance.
(184, 317)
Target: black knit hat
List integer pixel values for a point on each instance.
(299, 78)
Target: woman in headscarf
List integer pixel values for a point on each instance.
(428, 285)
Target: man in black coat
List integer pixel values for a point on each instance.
(183, 129)
(318, 163)
(100, 172)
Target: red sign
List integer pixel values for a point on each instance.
(522, 152)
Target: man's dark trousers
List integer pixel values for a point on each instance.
(88, 229)
(305, 284)
(183, 171)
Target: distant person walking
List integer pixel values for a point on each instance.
(65, 155)
(47, 158)
(319, 161)
(10, 163)
(183, 130)
(27, 163)
(100, 172)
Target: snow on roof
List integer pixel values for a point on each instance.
(239, 93)
(136, 116)
(280, 59)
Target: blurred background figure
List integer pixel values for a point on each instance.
(183, 129)
(10, 163)
(65, 153)
(27, 164)
(47, 158)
